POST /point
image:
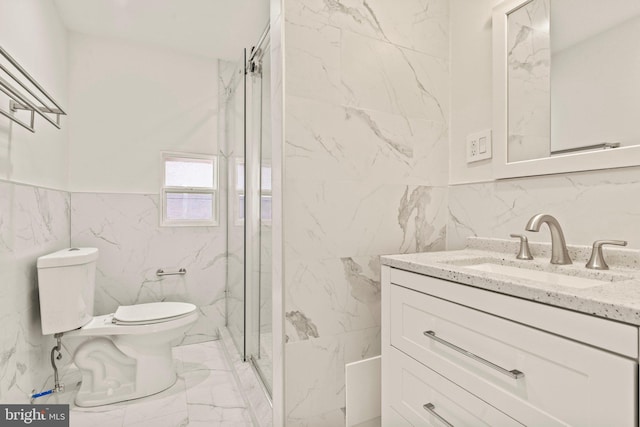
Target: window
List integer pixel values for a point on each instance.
(265, 192)
(189, 189)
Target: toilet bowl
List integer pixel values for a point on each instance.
(123, 355)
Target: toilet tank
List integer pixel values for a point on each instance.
(66, 284)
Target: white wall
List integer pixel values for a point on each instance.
(131, 101)
(471, 87)
(31, 31)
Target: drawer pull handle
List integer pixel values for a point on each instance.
(514, 373)
(430, 408)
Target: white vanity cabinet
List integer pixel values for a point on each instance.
(456, 354)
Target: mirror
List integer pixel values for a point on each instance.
(566, 86)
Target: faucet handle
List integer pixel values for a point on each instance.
(524, 252)
(597, 262)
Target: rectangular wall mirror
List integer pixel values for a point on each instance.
(566, 86)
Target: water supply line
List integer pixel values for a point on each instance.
(57, 386)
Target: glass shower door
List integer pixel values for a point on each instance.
(248, 136)
(234, 110)
(259, 349)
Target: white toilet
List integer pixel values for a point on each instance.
(126, 354)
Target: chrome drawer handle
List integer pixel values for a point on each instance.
(514, 373)
(430, 408)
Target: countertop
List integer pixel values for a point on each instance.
(617, 299)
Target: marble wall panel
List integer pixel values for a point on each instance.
(337, 142)
(331, 296)
(33, 222)
(589, 206)
(420, 25)
(385, 77)
(318, 394)
(328, 61)
(125, 228)
(471, 213)
(365, 173)
(311, 378)
(351, 218)
(313, 54)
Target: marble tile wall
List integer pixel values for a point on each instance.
(365, 174)
(33, 221)
(132, 246)
(590, 206)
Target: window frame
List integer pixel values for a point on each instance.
(167, 189)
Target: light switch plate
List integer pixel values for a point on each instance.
(479, 146)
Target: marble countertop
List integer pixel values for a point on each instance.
(617, 299)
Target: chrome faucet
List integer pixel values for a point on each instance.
(559, 253)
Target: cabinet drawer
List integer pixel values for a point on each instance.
(413, 386)
(563, 382)
(606, 334)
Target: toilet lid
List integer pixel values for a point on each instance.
(152, 312)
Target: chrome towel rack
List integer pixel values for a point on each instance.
(30, 98)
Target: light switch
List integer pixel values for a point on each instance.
(482, 145)
(479, 146)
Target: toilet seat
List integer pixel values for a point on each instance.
(154, 312)
(180, 315)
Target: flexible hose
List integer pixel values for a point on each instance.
(58, 348)
(57, 387)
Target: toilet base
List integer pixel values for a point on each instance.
(92, 398)
(117, 369)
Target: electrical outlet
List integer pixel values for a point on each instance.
(479, 146)
(472, 148)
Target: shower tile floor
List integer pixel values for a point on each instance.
(206, 394)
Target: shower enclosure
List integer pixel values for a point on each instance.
(248, 165)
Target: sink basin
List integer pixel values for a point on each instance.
(539, 276)
(573, 276)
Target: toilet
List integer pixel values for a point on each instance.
(123, 355)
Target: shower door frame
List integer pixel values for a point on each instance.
(253, 193)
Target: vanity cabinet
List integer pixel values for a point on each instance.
(456, 354)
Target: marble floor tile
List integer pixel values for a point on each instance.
(178, 419)
(110, 417)
(254, 393)
(222, 424)
(208, 354)
(164, 404)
